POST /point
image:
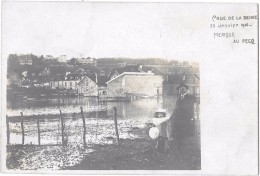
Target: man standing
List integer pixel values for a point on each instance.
(183, 116)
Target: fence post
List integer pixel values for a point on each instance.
(22, 128)
(39, 132)
(7, 130)
(116, 128)
(62, 128)
(84, 127)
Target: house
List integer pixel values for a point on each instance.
(69, 81)
(135, 84)
(64, 84)
(62, 58)
(93, 85)
(83, 84)
(42, 81)
(25, 60)
(86, 61)
(87, 86)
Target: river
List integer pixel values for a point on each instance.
(126, 109)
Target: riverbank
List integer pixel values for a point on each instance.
(140, 154)
(137, 154)
(136, 150)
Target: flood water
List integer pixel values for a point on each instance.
(126, 109)
(99, 126)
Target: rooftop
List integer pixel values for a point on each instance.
(131, 73)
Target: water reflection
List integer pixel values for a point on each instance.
(45, 102)
(142, 108)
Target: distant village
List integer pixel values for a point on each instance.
(34, 76)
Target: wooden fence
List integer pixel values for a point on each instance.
(60, 118)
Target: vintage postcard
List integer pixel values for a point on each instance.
(129, 88)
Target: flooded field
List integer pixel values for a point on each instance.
(101, 125)
(134, 119)
(99, 132)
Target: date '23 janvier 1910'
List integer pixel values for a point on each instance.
(232, 22)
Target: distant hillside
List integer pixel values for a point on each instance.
(145, 61)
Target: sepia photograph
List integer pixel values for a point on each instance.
(105, 113)
(81, 111)
(116, 86)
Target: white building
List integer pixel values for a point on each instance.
(62, 58)
(135, 83)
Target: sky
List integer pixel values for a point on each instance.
(132, 30)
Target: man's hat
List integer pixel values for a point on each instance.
(182, 85)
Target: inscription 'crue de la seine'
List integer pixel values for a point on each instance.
(229, 27)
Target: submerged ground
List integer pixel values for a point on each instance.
(135, 151)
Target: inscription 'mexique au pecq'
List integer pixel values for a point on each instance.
(232, 26)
